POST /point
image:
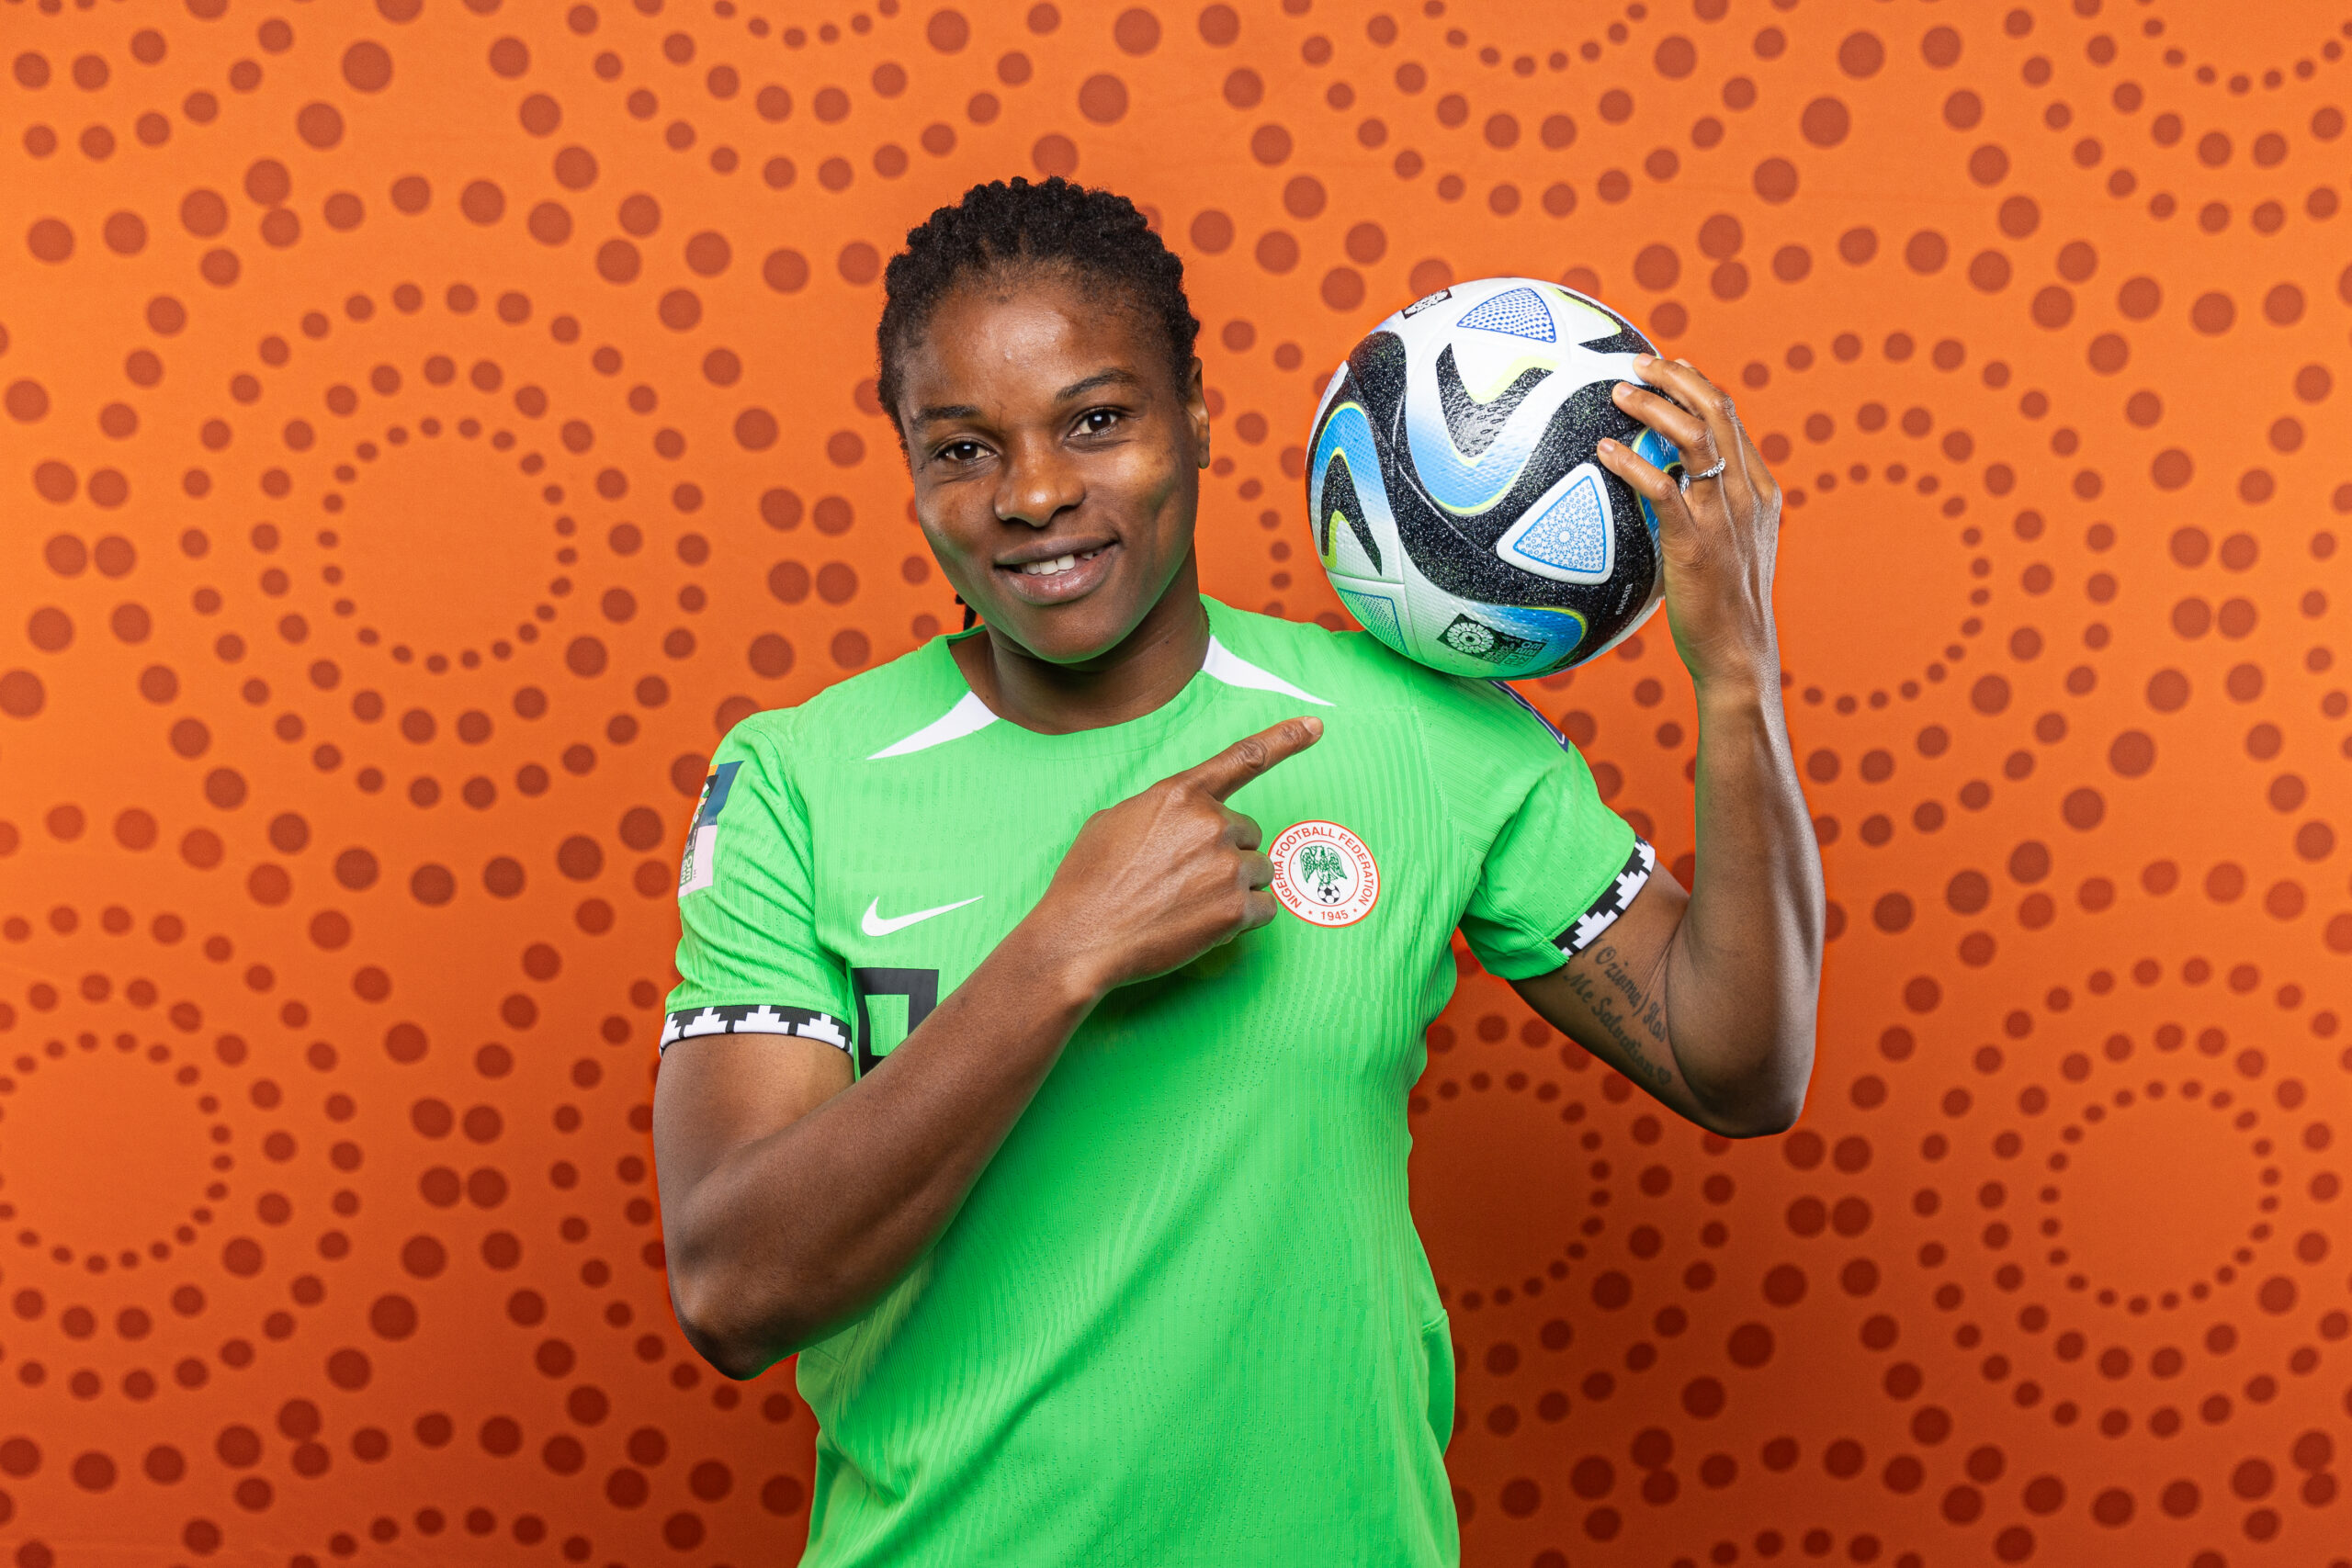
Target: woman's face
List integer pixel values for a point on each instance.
(1056, 461)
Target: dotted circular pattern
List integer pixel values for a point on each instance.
(426, 426)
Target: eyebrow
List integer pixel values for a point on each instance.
(1100, 378)
(1074, 391)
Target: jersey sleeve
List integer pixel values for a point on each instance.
(1557, 864)
(749, 961)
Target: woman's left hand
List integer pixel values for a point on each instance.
(1718, 535)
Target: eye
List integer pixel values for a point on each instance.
(1098, 422)
(960, 452)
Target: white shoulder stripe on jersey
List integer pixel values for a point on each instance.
(970, 714)
(1225, 666)
(966, 716)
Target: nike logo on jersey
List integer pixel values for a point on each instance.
(876, 924)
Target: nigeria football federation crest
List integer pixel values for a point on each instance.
(1324, 875)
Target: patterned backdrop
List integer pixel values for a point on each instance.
(430, 424)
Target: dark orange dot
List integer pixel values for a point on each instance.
(618, 261)
(550, 223)
(948, 31)
(1137, 31)
(26, 401)
(319, 124)
(368, 66)
(49, 240)
(126, 233)
(1102, 98)
(756, 429)
(1824, 122)
(1776, 179)
(482, 202)
(1860, 54)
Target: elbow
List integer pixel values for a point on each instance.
(1769, 1105)
(709, 1329)
(1764, 1121)
(740, 1332)
(1761, 1121)
(731, 1358)
(745, 1294)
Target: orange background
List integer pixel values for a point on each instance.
(428, 425)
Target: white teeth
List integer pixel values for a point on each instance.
(1060, 564)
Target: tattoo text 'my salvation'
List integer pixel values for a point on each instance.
(1618, 1001)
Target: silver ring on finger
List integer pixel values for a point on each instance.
(1689, 479)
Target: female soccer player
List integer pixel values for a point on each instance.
(1008, 1085)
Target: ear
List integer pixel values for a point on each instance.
(1196, 410)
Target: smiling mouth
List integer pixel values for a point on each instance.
(1060, 564)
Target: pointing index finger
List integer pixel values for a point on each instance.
(1247, 757)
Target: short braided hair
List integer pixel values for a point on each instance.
(1097, 234)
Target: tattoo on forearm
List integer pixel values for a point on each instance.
(1625, 1010)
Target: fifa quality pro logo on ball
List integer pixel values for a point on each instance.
(1324, 875)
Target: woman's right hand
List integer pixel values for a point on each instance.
(1154, 882)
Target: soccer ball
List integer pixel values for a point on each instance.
(1457, 504)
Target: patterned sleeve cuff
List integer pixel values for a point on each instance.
(1612, 902)
(759, 1018)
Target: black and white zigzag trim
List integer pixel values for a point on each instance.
(1612, 902)
(760, 1017)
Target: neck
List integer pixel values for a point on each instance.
(1142, 671)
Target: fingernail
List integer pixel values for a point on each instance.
(1314, 727)
(1606, 444)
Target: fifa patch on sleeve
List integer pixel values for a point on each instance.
(1612, 902)
(701, 862)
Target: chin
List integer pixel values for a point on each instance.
(1070, 634)
(1085, 626)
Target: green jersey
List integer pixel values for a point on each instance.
(1184, 1316)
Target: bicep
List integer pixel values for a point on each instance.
(716, 1093)
(1612, 998)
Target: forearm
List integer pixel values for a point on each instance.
(794, 1232)
(1744, 969)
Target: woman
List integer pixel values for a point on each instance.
(1008, 1084)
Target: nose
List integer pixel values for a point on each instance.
(1039, 483)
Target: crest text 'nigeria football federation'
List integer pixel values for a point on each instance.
(1324, 875)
